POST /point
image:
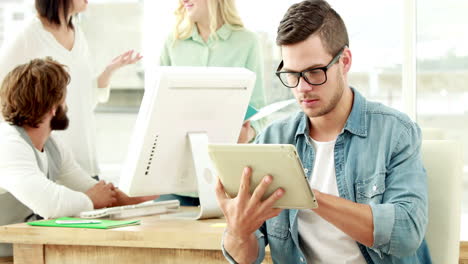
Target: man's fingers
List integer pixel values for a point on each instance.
(148, 198)
(244, 189)
(270, 201)
(113, 194)
(272, 213)
(261, 189)
(220, 193)
(113, 201)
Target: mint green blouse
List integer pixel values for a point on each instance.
(231, 48)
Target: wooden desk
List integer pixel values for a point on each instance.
(463, 252)
(6, 260)
(154, 241)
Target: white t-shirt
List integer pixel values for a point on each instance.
(20, 176)
(82, 93)
(321, 241)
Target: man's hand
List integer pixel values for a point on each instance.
(102, 195)
(247, 133)
(245, 214)
(123, 199)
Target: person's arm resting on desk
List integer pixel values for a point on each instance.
(20, 175)
(101, 194)
(245, 214)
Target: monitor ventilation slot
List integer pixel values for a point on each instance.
(152, 154)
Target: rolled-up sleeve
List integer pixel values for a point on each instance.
(400, 221)
(261, 248)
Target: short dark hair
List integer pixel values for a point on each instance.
(51, 9)
(309, 17)
(30, 90)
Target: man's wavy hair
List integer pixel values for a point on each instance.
(313, 17)
(30, 90)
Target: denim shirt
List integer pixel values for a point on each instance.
(377, 162)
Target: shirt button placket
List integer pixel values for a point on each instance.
(206, 55)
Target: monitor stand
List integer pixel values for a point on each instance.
(206, 179)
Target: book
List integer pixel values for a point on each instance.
(271, 108)
(104, 223)
(254, 114)
(251, 111)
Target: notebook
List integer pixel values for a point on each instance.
(105, 224)
(251, 111)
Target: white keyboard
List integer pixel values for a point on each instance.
(127, 211)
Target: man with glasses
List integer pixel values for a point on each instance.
(361, 158)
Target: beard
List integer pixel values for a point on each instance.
(335, 98)
(60, 121)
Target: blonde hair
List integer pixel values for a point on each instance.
(224, 11)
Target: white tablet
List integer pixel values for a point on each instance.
(281, 161)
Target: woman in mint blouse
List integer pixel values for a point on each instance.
(211, 33)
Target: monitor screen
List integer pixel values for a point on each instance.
(183, 100)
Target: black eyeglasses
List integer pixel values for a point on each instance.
(315, 76)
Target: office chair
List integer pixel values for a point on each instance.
(443, 162)
(430, 133)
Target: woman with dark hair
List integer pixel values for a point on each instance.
(53, 33)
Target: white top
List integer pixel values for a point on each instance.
(321, 241)
(44, 161)
(20, 175)
(82, 94)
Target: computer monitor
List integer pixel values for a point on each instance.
(186, 109)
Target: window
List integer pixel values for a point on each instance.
(442, 77)
(377, 54)
(13, 14)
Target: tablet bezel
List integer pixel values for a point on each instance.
(278, 160)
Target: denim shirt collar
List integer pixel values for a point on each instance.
(355, 124)
(357, 119)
